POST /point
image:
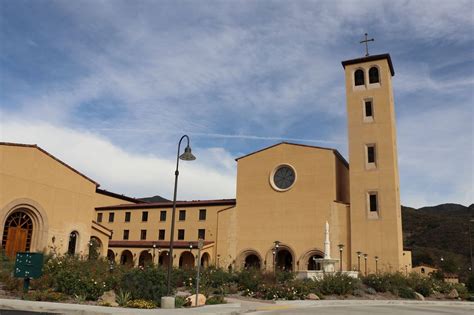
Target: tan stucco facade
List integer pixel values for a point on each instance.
(285, 194)
(58, 199)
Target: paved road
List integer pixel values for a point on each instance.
(371, 309)
(8, 312)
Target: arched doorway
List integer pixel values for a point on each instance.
(252, 261)
(186, 260)
(205, 260)
(145, 259)
(71, 248)
(126, 258)
(110, 255)
(17, 233)
(284, 260)
(313, 264)
(163, 259)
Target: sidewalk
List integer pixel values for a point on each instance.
(234, 307)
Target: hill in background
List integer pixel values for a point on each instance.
(442, 231)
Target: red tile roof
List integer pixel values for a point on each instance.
(168, 204)
(159, 244)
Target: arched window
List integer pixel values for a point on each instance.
(359, 77)
(374, 75)
(71, 249)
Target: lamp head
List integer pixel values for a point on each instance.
(187, 155)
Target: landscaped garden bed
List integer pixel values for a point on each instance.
(73, 280)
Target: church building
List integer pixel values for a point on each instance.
(287, 196)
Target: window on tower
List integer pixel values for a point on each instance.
(368, 109)
(370, 156)
(373, 203)
(359, 77)
(374, 75)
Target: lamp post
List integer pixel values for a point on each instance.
(186, 156)
(341, 247)
(376, 264)
(470, 244)
(358, 260)
(200, 244)
(365, 258)
(276, 244)
(154, 247)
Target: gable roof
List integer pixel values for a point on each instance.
(98, 190)
(51, 156)
(168, 204)
(336, 153)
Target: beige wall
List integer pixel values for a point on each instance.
(375, 235)
(58, 199)
(190, 225)
(295, 217)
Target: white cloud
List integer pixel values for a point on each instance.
(211, 176)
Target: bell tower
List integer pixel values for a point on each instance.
(375, 214)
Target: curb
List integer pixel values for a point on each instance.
(80, 309)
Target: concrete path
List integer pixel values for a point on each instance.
(243, 306)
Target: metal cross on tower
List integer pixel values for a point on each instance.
(366, 44)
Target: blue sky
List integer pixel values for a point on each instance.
(110, 86)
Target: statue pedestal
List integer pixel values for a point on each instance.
(327, 264)
(328, 267)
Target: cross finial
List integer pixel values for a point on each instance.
(366, 44)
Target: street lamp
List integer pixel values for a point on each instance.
(341, 246)
(154, 247)
(276, 244)
(358, 261)
(186, 156)
(200, 245)
(470, 245)
(376, 264)
(365, 258)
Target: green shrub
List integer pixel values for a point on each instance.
(140, 303)
(406, 293)
(123, 297)
(339, 284)
(380, 283)
(146, 284)
(420, 284)
(285, 276)
(76, 277)
(212, 281)
(13, 284)
(216, 299)
(6, 267)
(47, 295)
(179, 301)
(249, 280)
(470, 283)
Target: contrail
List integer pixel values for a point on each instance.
(225, 136)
